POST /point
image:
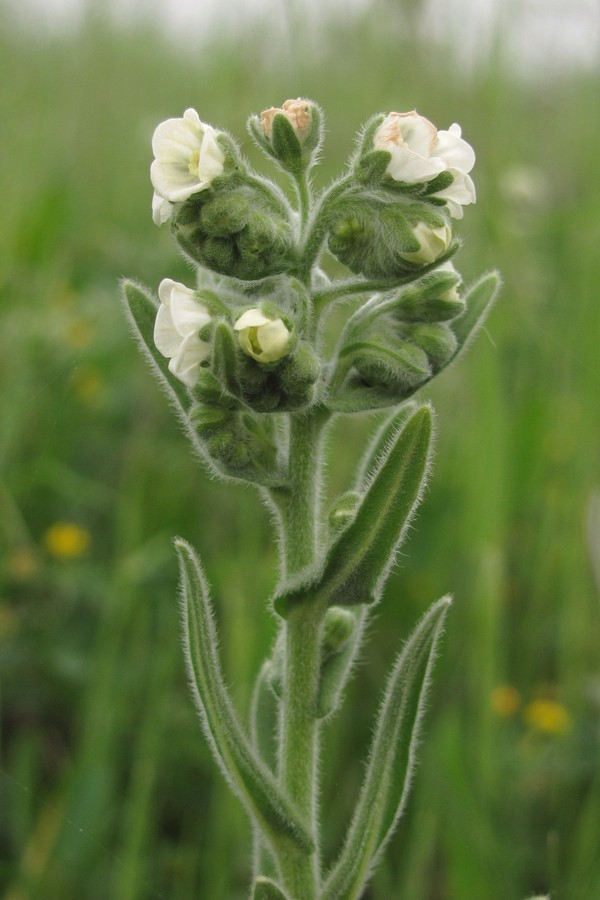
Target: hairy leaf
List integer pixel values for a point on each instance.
(391, 762)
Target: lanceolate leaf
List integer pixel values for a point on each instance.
(391, 760)
(247, 775)
(358, 562)
(479, 301)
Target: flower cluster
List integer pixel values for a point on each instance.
(247, 341)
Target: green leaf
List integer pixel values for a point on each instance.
(248, 777)
(263, 717)
(479, 301)
(359, 560)
(265, 889)
(391, 761)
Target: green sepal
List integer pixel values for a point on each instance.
(427, 300)
(370, 168)
(225, 359)
(247, 775)
(399, 367)
(286, 146)
(265, 889)
(479, 300)
(436, 339)
(391, 761)
(358, 562)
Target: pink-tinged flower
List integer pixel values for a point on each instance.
(179, 319)
(298, 112)
(188, 157)
(419, 153)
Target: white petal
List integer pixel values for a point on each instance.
(166, 338)
(173, 181)
(274, 339)
(461, 191)
(162, 210)
(212, 158)
(252, 318)
(185, 363)
(411, 168)
(455, 152)
(188, 315)
(176, 137)
(419, 133)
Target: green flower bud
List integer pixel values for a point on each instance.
(236, 229)
(290, 134)
(338, 627)
(343, 510)
(379, 238)
(433, 243)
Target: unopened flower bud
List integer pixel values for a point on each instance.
(262, 337)
(434, 242)
(290, 134)
(297, 112)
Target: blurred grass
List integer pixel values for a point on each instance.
(107, 789)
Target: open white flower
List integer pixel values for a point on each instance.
(263, 338)
(179, 319)
(187, 157)
(433, 241)
(419, 152)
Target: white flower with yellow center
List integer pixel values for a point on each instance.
(179, 319)
(262, 337)
(419, 152)
(433, 241)
(188, 157)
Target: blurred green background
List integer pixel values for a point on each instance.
(106, 787)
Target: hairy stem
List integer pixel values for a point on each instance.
(298, 738)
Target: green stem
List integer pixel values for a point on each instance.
(298, 739)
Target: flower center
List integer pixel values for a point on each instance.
(194, 162)
(253, 339)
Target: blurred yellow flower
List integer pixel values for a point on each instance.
(505, 700)
(548, 716)
(66, 540)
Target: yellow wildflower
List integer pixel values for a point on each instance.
(548, 716)
(66, 540)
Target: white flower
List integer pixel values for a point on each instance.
(178, 321)
(420, 152)
(433, 241)
(187, 157)
(262, 337)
